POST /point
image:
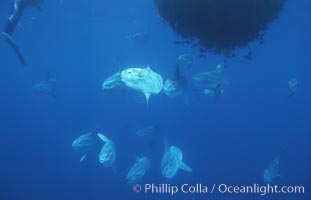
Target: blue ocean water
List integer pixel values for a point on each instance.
(230, 141)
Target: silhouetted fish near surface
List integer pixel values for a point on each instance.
(46, 87)
(139, 37)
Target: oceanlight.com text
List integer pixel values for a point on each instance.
(200, 188)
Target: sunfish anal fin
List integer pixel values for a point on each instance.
(147, 95)
(185, 167)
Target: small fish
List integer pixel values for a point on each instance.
(249, 55)
(147, 131)
(139, 37)
(138, 170)
(292, 86)
(46, 87)
(186, 59)
(272, 171)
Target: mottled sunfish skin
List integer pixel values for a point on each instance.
(172, 162)
(107, 155)
(272, 171)
(138, 170)
(143, 80)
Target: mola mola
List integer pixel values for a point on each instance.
(107, 155)
(272, 171)
(144, 80)
(172, 162)
(46, 87)
(212, 82)
(138, 170)
(84, 143)
(175, 86)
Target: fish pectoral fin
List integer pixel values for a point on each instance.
(185, 167)
(103, 138)
(83, 157)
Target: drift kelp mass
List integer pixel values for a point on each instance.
(220, 25)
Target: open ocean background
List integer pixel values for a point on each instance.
(229, 141)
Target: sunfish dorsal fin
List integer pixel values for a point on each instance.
(103, 138)
(185, 167)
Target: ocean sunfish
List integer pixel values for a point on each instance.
(175, 86)
(272, 171)
(172, 162)
(138, 170)
(46, 87)
(212, 82)
(143, 80)
(107, 155)
(84, 144)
